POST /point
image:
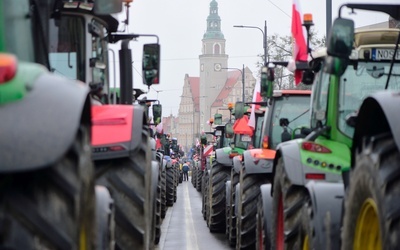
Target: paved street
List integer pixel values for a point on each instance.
(184, 227)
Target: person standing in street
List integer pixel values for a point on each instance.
(185, 169)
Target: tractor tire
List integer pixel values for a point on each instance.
(199, 179)
(176, 182)
(288, 203)
(193, 178)
(54, 207)
(371, 218)
(170, 187)
(127, 180)
(219, 174)
(163, 193)
(204, 189)
(246, 218)
(158, 212)
(261, 237)
(231, 217)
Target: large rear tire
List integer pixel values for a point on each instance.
(51, 208)
(247, 210)
(199, 180)
(288, 202)
(170, 186)
(231, 218)
(204, 184)
(163, 193)
(126, 180)
(371, 217)
(219, 174)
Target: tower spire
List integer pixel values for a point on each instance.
(213, 23)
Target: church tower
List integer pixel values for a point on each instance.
(212, 61)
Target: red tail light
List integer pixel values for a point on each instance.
(8, 67)
(315, 176)
(315, 147)
(265, 142)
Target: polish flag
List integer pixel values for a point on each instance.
(256, 98)
(300, 46)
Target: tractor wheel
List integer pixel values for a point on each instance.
(307, 232)
(126, 180)
(158, 212)
(261, 237)
(54, 207)
(371, 218)
(204, 189)
(170, 187)
(176, 181)
(231, 218)
(193, 177)
(163, 174)
(247, 210)
(199, 180)
(219, 174)
(288, 202)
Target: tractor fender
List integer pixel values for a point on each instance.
(104, 218)
(222, 157)
(378, 114)
(117, 125)
(327, 205)
(153, 148)
(38, 130)
(296, 171)
(258, 161)
(237, 164)
(267, 209)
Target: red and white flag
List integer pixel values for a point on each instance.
(256, 98)
(300, 46)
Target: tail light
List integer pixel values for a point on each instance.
(315, 176)
(315, 147)
(265, 142)
(8, 67)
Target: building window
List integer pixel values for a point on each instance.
(217, 49)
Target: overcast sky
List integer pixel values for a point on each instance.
(180, 25)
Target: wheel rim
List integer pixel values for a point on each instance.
(367, 234)
(306, 245)
(279, 225)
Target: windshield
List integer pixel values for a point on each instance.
(258, 131)
(295, 109)
(67, 47)
(359, 82)
(100, 56)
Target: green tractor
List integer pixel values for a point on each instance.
(311, 174)
(220, 169)
(47, 174)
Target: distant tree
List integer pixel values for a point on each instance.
(280, 49)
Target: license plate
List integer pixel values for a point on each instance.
(384, 54)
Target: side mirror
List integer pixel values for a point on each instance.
(217, 119)
(229, 130)
(151, 64)
(340, 41)
(267, 81)
(283, 122)
(308, 77)
(203, 140)
(157, 113)
(104, 7)
(239, 110)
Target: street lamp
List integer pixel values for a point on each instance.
(264, 32)
(241, 72)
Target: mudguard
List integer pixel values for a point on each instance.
(116, 130)
(222, 156)
(296, 171)
(237, 164)
(327, 204)
(267, 209)
(37, 130)
(104, 218)
(258, 161)
(379, 113)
